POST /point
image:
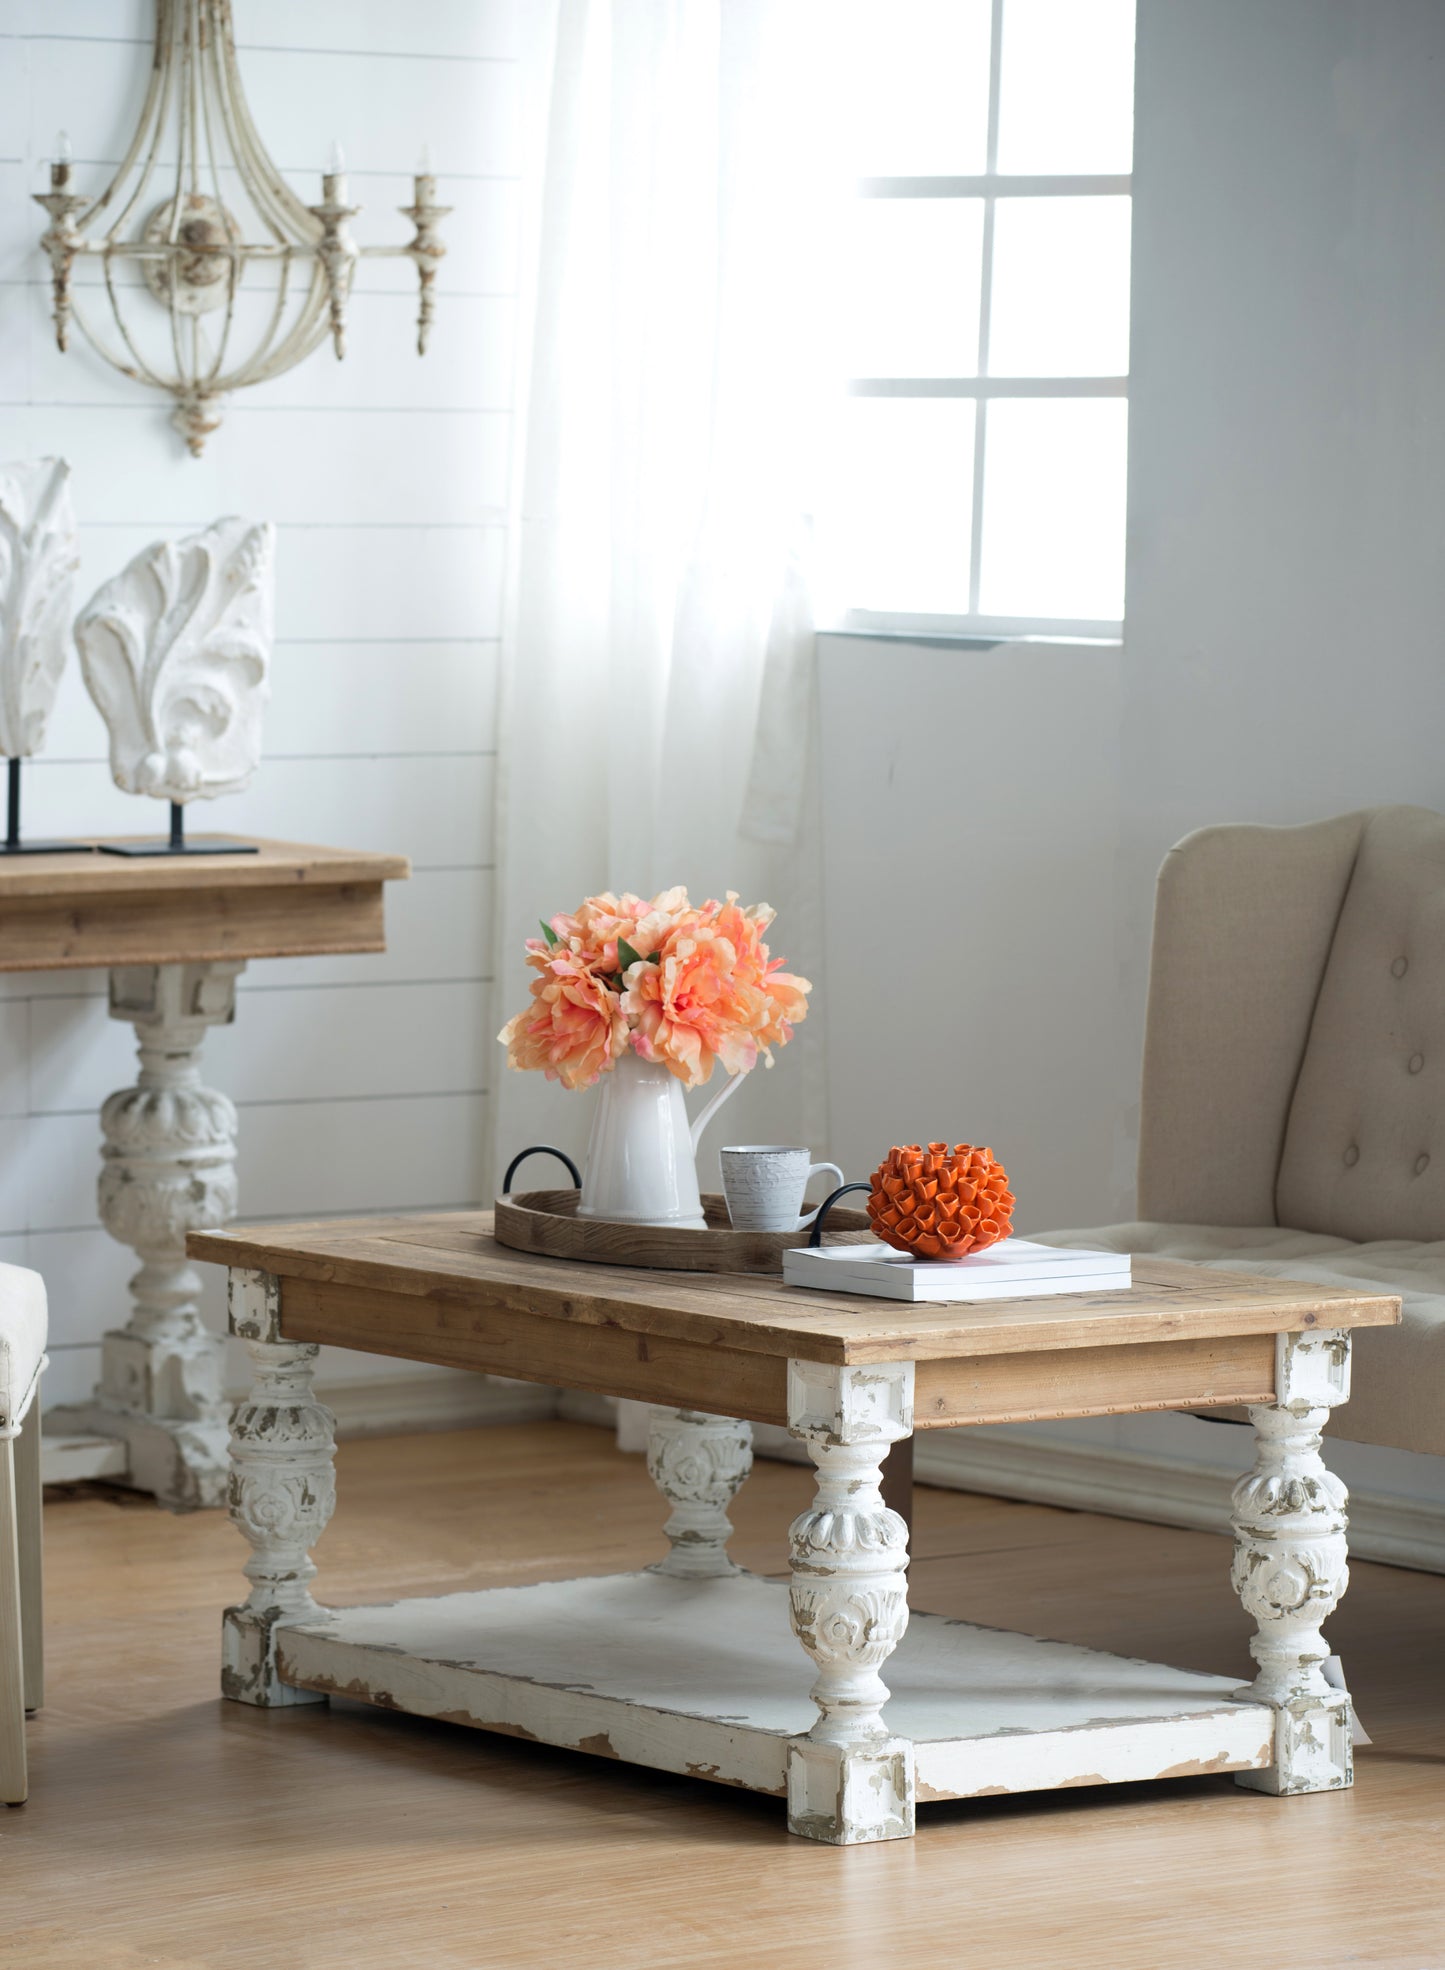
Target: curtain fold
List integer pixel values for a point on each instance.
(656, 697)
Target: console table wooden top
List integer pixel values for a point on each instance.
(290, 899)
(437, 1287)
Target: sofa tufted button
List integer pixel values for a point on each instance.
(1417, 1061)
(1399, 967)
(1352, 1156)
(1422, 1163)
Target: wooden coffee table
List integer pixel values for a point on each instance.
(689, 1666)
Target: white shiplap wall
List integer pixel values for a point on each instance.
(359, 1080)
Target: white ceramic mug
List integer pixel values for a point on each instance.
(764, 1185)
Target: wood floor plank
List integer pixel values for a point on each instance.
(168, 1829)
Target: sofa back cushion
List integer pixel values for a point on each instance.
(1364, 1145)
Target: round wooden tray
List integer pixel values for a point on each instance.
(547, 1221)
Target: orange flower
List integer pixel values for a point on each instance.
(574, 1028)
(689, 1010)
(698, 987)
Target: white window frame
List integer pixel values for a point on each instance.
(991, 186)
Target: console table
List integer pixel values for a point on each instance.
(688, 1666)
(174, 934)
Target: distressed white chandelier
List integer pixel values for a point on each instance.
(194, 182)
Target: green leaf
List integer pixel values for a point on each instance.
(550, 934)
(654, 957)
(626, 955)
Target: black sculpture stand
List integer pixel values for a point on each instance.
(179, 843)
(13, 845)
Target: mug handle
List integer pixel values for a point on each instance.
(815, 1170)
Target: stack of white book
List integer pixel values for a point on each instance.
(1015, 1269)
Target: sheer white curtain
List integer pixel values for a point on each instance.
(656, 689)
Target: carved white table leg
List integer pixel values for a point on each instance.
(281, 1493)
(848, 1779)
(1289, 1565)
(167, 1168)
(698, 1462)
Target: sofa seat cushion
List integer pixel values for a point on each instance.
(1398, 1380)
(22, 1339)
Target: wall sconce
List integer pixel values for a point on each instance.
(278, 294)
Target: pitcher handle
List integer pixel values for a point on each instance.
(724, 1093)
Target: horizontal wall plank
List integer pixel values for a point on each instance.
(285, 1045)
(338, 698)
(333, 583)
(438, 926)
(467, 367)
(296, 1159)
(381, 111)
(440, 468)
(14, 1057)
(436, 810)
(467, 29)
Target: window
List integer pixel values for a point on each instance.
(978, 481)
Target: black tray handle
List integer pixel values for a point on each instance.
(542, 1149)
(815, 1236)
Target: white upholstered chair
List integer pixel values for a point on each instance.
(1293, 1103)
(22, 1357)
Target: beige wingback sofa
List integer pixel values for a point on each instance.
(1293, 1105)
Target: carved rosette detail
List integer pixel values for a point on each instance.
(1290, 1552)
(848, 1597)
(698, 1462)
(282, 1488)
(176, 651)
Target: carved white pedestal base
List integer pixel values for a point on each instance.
(281, 1494)
(1289, 1566)
(849, 1780)
(167, 1168)
(698, 1462)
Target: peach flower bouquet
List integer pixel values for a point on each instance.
(681, 984)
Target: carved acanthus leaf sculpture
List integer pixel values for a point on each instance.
(176, 651)
(39, 556)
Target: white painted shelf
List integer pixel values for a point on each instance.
(704, 1677)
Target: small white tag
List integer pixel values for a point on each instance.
(1333, 1671)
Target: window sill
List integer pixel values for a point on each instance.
(971, 639)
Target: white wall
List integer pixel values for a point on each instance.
(1285, 619)
(358, 1079)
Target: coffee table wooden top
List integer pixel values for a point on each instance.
(451, 1261)
(290, 899)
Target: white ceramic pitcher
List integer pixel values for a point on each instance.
(642, 1154)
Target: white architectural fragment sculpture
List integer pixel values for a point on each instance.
(39, 556)
(176, 652)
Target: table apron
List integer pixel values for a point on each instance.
(284, 919)
(701, 1374)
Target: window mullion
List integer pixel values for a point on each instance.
(985, 298)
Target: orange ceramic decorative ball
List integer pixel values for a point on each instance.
(939, 1203)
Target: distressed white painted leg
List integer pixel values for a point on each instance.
(167, 1168)
(1289, 1565)
(14, 1784)
(849, 1780)
(281, 1493)
(698, 1462)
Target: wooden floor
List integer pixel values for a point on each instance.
(168, 1828)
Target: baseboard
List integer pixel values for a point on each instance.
(1164, 1490)
(391, 1405)
(448, 1399)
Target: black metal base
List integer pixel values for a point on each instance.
(14, 844)
(47, 847)
(179, 843)
(192, 845)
